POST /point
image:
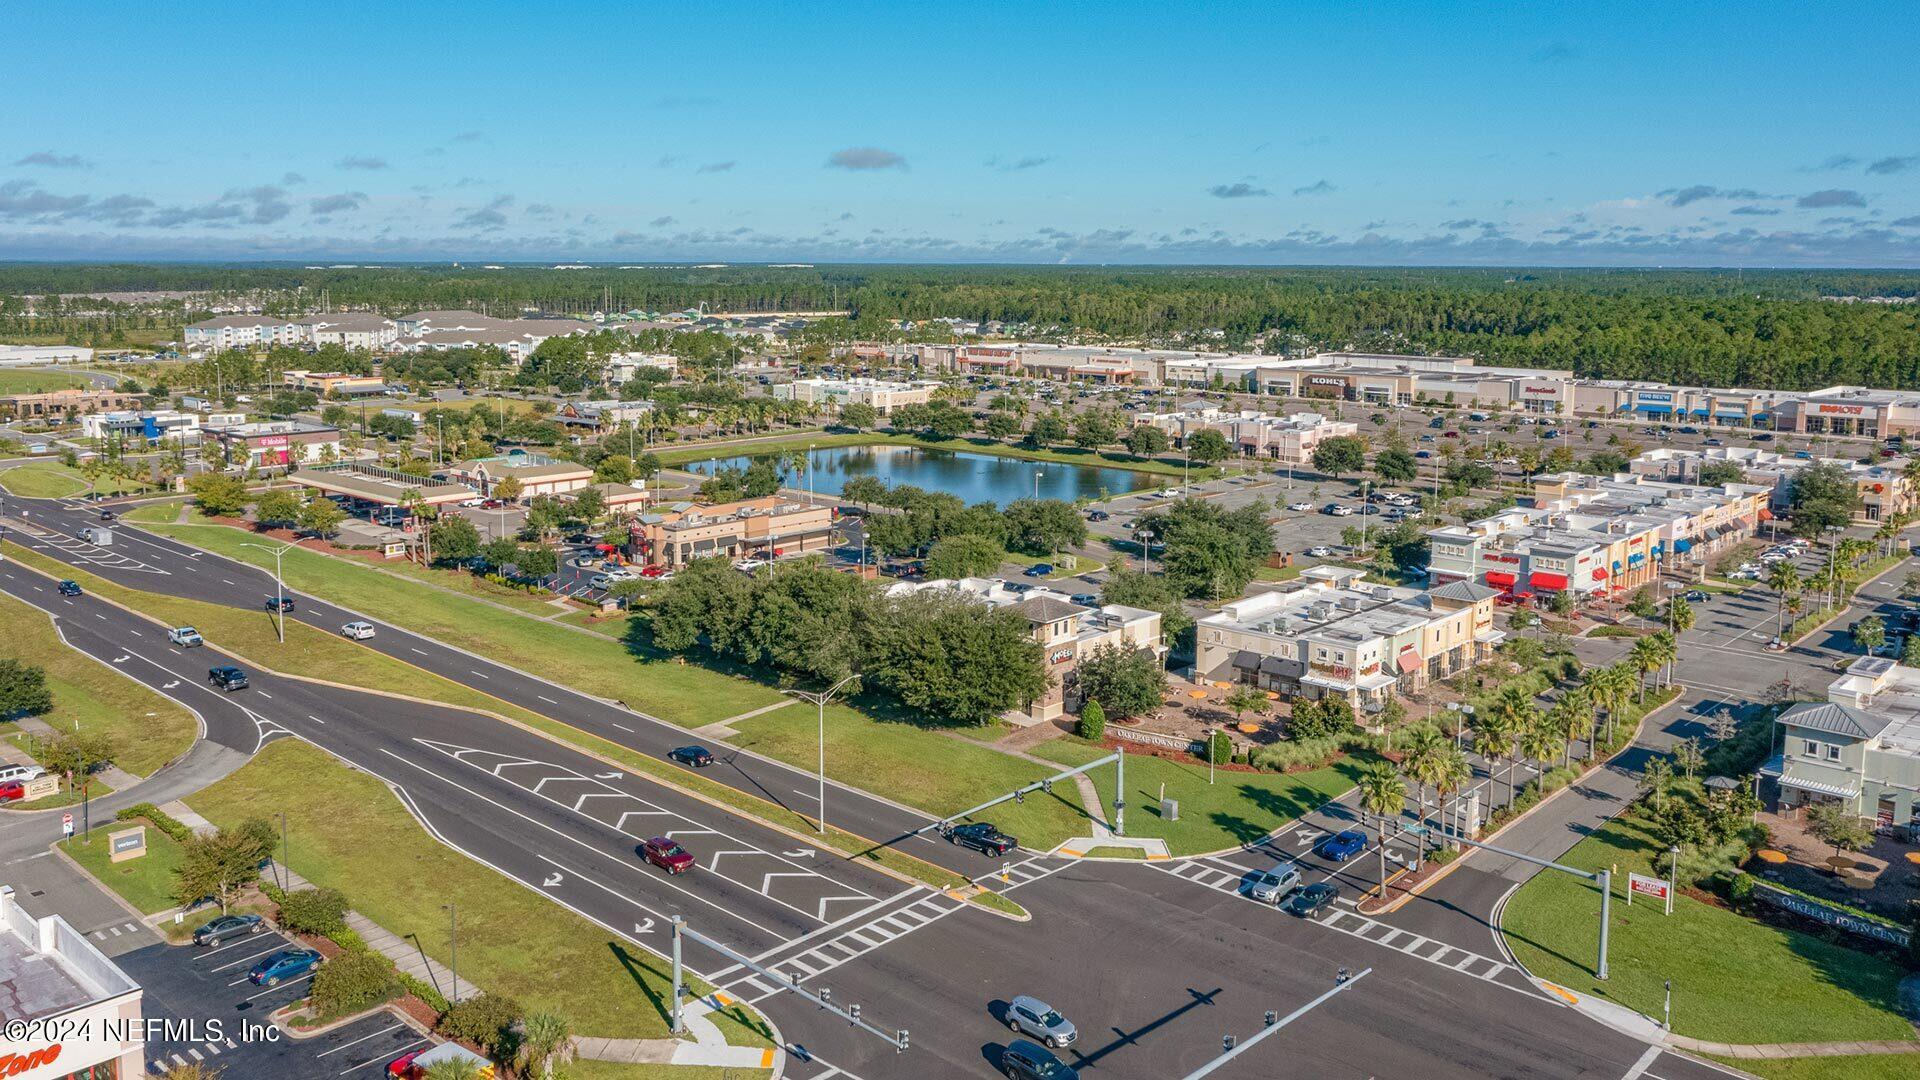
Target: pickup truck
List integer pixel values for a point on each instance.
(185, 636)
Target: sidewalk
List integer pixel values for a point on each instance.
(406, 955)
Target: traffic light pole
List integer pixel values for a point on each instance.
(1118, 759)
(1231, 1050)
(1602, 878)
(790, 984)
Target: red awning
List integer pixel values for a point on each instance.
(1409, 661)
(1548, 581)
(1599, 573)
(1500, 578)
(1766, 514)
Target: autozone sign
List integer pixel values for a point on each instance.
(1849, 410)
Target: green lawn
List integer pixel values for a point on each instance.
(19, 381)
(347, 831)
(1237, 808)
(582, 1069)
(1861, 1067)
(52, 480)
(685, 694)
(146, 882)
(165, 512)
(147, 730)
(978, 444)
(1735, 979)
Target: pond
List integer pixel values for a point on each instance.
(973, 477)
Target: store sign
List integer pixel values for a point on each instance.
(1501, 558)
(1325, 380)
(1846, 410)
(1335, 670)
(1541, 391)
(1654, 397)
(271, 440)
(1060, 656)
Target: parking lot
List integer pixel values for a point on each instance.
(200, 985)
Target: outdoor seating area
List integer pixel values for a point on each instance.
(1884, 879)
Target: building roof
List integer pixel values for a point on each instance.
(349, 321)
(223, 322)
(1465, 591)
(1836, 719)
(1044, 609)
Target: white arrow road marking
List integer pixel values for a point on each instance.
(171, 685)
(803, 853)
(552, 880)
(121, 659)
(643, 927)
(608, 776)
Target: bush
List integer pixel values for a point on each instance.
(486, 1021)
(158, 818)
(314, 911)
(353, 982)
(424, 992)
(1093, 722)
(1740, 888)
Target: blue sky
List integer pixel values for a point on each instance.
(1572, 134)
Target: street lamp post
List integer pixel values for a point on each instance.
(453, 947)
(279, 589)
(820, 701)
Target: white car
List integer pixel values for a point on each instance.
(358, 631)
(1320, 552)
(1341, 511)
(1300, 506)
(748, 566)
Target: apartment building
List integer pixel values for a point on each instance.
(457, 329)
(1592, 535)
(1068, 634)
(621, 367)
(275, 442)
(678, 533)
(239, 332)
(884, 396)
(1859, 749)
(1328, 633)
(537, 474)
(349, 330)
(601, 416)
(1290, 439)
(1885, 491)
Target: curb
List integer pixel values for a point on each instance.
(299, 1033)
(138, 915)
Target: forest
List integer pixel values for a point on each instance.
(1781, 329)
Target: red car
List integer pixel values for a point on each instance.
(12, 791)
(667, 855)
(652, 571)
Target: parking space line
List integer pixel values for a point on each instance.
(277, 989)
(390, 1054)
(360, 1040)
(279, 943)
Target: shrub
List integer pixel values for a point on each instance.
(353, 982)
(420, 989)
(314, 911)
(1093, 722)
(486, 1021)
(1740, 888)
(159, 818)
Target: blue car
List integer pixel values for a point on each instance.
(1342, 846)
(285, 964)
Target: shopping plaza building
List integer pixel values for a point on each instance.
(1291, 439)
(1884, 490)
(1595, 535)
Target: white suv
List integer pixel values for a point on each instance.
(358, 631)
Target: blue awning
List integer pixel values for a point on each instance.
(1700, 412)
(1635, 559)
(1616, 565)
(1659, 546)
(1725, 414)
(1653, 410)
(1759, 416)
(1682, 545)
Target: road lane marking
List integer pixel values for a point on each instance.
(1646, 1062)
(470, 671)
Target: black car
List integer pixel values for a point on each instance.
(106, 515)
(1309, 902)
(697, 756)
(69, 588)
(1098, 515)
(982, 837)
(1086, 599)
(228, 926)
(1022, 1060)
(227, 678)
(279, 603)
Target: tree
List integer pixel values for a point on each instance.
(353, 982)
(1395, 465)
(321, 516)
(1135, 588)
(1655, 778)
(1208, 446)
(500, 552)
(1244, 699)
(543, 1035)
(1125, 682)
(454, 539)
(1095, 428)
(1497, 733)
(1384, 795)
(858, 415)
(1001, 425)
(1044, 526)
(1205, 559)
(1092, 725)
(956, 660)
(1785, 581)
(1823, 496)
(1325, 718)
(1219, 747)
(1688, 758)
(77, 753)
(1869, 633)
(614, 469)
(219, 495)
(314, 911)
(23, 689)
(864, 490)
(1145, 440)
(589, 505)
(1340, 455)
(1716, 473)
(964, 556)
(508, 489)
(537, 561)
(1642, 604)
(1836, 824)
(222, 863)
(1049, 429)
(278, 507)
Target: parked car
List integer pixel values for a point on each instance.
(1309, 902)
(358, 631)
(1337, 510)
(1272, 886)
(1098, 515)
(1086, 599)
(1022, 1060)
(13, 791)
(698, 757)
(1342, 845)
(284, 964)
(1300, 507)
(1763, 436)
(22, 773)
(69, 588)
(981, 836)
(228, 926)
(659, 573)
(1038, 570)
(185, 636)
(1696, 596)
(1031, 1016)
(227, 678)
(1320, 551)
(666, 855)
(279, 603)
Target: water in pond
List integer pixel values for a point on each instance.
(973, 477)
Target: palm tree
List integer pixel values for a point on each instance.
(1450, 773)
(1656, 777)
(1645, 657)
(1384, 795)
(1571, 723)
(1540, 741)
(543, 1034)
(1609, 688)
(1668, 648)
(1424, 749)
(1785, 581)
(1511, 712)
(1579, 701)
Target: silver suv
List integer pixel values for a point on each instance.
(1034, 1017)
(1272, 886)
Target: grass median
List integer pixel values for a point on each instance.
(1735, 979)
(314, 652)
(146, 882)
(346, 830)
(52, 480)
(147, 730)
(1845, 1067)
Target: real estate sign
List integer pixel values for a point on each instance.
(1650, 886)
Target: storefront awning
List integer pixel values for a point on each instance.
(1599, 573)
(1246, 660)
(1700, 412)
(1653, 410)
(1682, 545)
(1766, 514)
(1409, 661)
(1725, 415)
(1548, 581)
(1500, 578)
(1820, 787)
(1616, 566)
(1635, 558)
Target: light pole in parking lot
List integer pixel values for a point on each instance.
(279, 589)
(820, 700)
(453, 948)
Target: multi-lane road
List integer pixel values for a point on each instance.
(1155, 962)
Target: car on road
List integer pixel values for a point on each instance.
(227, 677)
(1272, 886)
(358, 631)
(106, 515)
(1696, 596)
(229, 926)
(13, 791)
(185, 636)
(1022, 1060)
(698, 757)
(1038, 570)
(604, 581)
(1031, 1016)
(284, 964)
(279, 603)
(1320, 551)
(1342, 845)
(1300, 507)
(667, 855)
(982, 837)
(69, 588)
(1309, 902)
